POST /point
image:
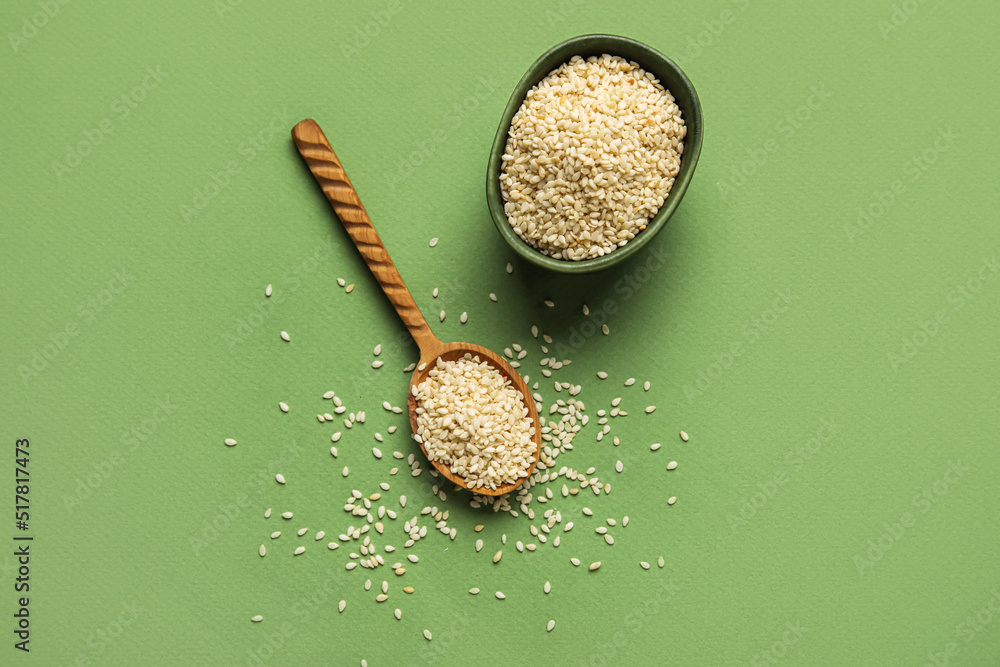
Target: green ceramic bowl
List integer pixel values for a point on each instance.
(670, 76)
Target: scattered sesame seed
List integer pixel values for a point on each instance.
(398, 614)
(279, 478)
(413, 558)
(268, 291)
(550, 303)
(684, 436)
(493, 297)
(276, 534)
(605, 330)
(230, 442)
(588, 511)
(595, 565)
(575, 561)
(619, 466)
(534, 331)
(341, 282)
(644, 565)
(551, 624)
(342, 606)
(497, 556)
(479, 528)
(547, 587)
(345, 472)
(442, 316)
(377, 364)
(262, 551)
(501, 596)
(283, 406)
(624, 521)
(408, 590)
(650, 409)
(381, 598)
(267, 513)
(433, 242)
(655, 446)
(629, 382)
(660, 561)
(300, 550)
(479, 545)
(671, 500)
(586, 311)
(602, 375)
(285, 337)
(672, 465)
(349, 288)
(257, 619)
(302, 531)
(474, 591)
(287, 515)
(645, 386)
(510, 268)
(427, 635)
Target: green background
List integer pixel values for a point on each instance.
(135, 336)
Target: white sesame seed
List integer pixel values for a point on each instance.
(349, 288)
(398, 614)
(619, 466)
(586, 311)
(279, 478)
(493, 297)
(377, 364)
(660, 562)
(624, 521)
(299, 551)
(442, 316)
(381, 598)
(655, 446)
(595, 565)
(285, 337)
(645, 386)
(684, 436)
(350, 566)
(230, 442)
(268, 291)
(671, 500)
(332, 545)
(413, 557)
(262, 551)
(534, 331)
(276, 534)
(341, 282)
(378, 350)
(609, 539)
(588, 511)
(345, 472)
(464, 317)
(650, 409)
(569, 527)
(510, 268)
(550, 625)
(302, 531)
(328, 395)
(672, 465)
(575, 561)
(629, 382)
(283, 406)
(257, 619)
(605, 330)
(410, 367)
(547, 587)
(644, 565)
(501, 596)
(602, 375)
(427, 635)
(342, 606)
(434, 293)
(377, 452)
(497, 556)
(433, 242)
(550, 303)
(479, 545)
(474, 591)
(287, 515)
(267, 513)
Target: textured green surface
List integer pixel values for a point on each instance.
(118, 573)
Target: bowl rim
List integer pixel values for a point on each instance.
(588, 45)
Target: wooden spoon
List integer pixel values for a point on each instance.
(325, 166)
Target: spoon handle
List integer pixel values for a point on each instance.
(324, 165)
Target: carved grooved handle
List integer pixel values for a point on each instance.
(324, 165)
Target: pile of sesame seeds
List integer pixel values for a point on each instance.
(591, 156)
(375, 528)
(472, 419)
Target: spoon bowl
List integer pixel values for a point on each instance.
(326, 168)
